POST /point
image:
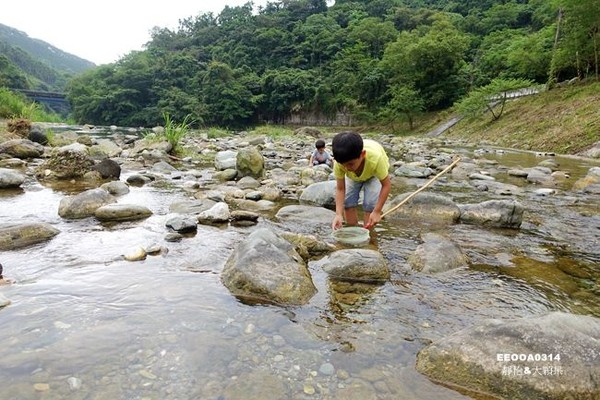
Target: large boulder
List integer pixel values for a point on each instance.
(266, 268)
(427, 206)
(493, 213)
(84, 204)
(356, 265)
(14, 236)
(108, 169)
(225, 160)
(306, 214)
(553, 357)
(437, 254)
(66, 162)
(122, 212)
(320, 193)
(249, 162)
(21, 148)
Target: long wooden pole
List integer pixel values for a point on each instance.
(413, 194)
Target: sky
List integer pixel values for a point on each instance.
(103, 31)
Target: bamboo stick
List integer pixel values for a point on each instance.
(413, 194)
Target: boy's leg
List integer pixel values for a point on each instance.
(351, 216)
(372, 188)
(351, 201)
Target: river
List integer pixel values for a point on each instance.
(83, 323)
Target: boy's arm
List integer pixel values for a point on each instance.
(310, 161)
(340, 195)
(375, 217)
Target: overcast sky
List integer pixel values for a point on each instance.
(102, 31)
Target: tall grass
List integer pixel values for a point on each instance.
(174, 132)
(273, 131)
(14, 105)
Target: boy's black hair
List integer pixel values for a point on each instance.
(320, 143)
(346, 146)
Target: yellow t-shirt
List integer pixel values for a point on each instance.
(376, 164)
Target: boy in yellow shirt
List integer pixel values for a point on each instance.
(359, 165)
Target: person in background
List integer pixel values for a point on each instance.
(320, 155)
(359, 165)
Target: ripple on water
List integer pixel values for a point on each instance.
(166, 327)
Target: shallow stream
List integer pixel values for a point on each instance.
(85, 324)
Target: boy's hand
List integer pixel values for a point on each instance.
(374, 219)
(337, 222)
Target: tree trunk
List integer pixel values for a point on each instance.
(595, 39)
(552, 74)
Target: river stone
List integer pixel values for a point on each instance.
(251, 205)
(84, 204)
(11, 163)
(266, 267)
(303, 213)
(413, 171)
(182, 224)
(14, 236)
(105, 148)
(248, 182)
(540, 175)
(66, 162)
(589, 183)
(37, 135)
(191, 206)
(493, 213)
(22, 148)
(225, 160)
(424, 206)
(108, 169)
(437, 254)
(122, 212)
(356, 265)
(308, 245)
(469, 359)
(503, 189)
(320, 193)
(116, 188)
(10, 178)
(218, 213)
(241, 215)
(249, 162)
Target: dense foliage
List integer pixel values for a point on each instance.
(378, 60)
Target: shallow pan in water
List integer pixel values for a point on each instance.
(351, 235)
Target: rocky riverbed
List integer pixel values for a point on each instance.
(133, 274)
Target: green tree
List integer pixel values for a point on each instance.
(430, 61)
(286, 90)
(320, 38)
(404, 101)
(228, 102)
(578, 50)
(11, 76)
(374, 33)
(491, 97)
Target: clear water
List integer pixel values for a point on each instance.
(85, 324)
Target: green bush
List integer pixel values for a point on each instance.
(14, 105)
(174, 132)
